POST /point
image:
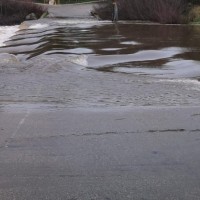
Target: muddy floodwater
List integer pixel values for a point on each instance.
(65, 63)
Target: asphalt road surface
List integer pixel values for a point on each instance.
(86, 154)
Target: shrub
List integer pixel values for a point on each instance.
(14, 11)
(194, 1)
(194, 14)
(162, 11)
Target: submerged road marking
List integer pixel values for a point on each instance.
(28, 112)
(21, 122)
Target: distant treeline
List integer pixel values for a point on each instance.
(161, 11)
(64, 1)
(80, 1)
(194, 1)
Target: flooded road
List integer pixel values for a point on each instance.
(91, 110)
(89, 63)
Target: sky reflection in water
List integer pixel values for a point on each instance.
(123, 47)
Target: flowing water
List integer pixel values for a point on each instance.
(89, 63)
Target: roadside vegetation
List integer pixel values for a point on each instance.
(194, 14)
(161, 11)
(15, 11)
(65, 1)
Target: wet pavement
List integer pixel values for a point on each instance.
(140, 153)
(79, 62)
(95, 110)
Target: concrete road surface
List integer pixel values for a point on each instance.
(112, 154)
(71, 10)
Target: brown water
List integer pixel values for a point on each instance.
(85, 63)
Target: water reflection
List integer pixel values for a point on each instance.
(104, 41)
(102, 64)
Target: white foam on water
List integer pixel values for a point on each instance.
(96, 61)
(38, 26)
(79, 50)
(8, 58)
(6, 32)
(130, 43)
(79, 60)
(174, 69)
(111, 49)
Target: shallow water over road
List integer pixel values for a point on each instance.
(89, 63)
(85, 112)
